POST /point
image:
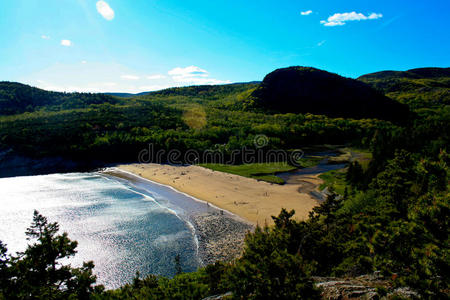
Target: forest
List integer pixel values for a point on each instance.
(391, 216)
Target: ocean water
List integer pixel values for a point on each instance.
(124, 226)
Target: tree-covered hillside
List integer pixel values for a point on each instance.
(419, 88)
(83, 126)
(206, 95)
(199, 117)
(309, 90)
(16, 98)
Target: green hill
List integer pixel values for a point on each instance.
(213, 91)
(221, 96)
(16, 98)
(419, 88)
(293, 107)
(310, 90)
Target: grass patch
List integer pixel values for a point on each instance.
(334, 179)
(310, 161)
(362, 156)
(260, 171)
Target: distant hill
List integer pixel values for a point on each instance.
(214, 91)
(419, 88)
(18, 98)
(310, 90)
(195, 90)
(126, 95)
(419, 73)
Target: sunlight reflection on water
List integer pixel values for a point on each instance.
(122, 228)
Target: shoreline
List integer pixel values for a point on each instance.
(113, 171)
(251, 200)
(219, 234)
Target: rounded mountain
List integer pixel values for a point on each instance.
(310, 90)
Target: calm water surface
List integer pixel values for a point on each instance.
(123, 226)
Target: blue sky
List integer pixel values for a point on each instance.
(141, 45)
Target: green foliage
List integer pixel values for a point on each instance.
(334, 180)
(270, 269)
(187, 286)
(260, 171)
(89, 133)
(354, 173)
(310, 161)
(38, 273)
(419, 88)
(16, 98)
(201, 118)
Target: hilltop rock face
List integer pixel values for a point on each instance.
(309, 90)
(369, 287)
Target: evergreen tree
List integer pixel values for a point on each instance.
(38, 272)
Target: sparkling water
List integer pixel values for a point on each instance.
(123, 226)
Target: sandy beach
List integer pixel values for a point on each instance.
(252, 200)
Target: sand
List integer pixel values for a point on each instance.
(252, 200)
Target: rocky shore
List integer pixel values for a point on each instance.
(220, 235)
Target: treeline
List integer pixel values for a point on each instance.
(211, 92)
(119, 132)
(418, 88)
(113, 133)
(100, 127)
(102, 131)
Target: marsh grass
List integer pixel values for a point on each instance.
(259, 171)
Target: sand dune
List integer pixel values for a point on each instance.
(255, 201)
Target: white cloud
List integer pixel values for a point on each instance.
(321, 43)
(374, 16)
(156, 76)
(91, 77)
(193, 75)
(66, 43)
(45, 37)
(191, 71)
(130, 77)
(199, 80)
(105, 10)
(84, 62)
(305, 13)
(80, 77)
(340, 19)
